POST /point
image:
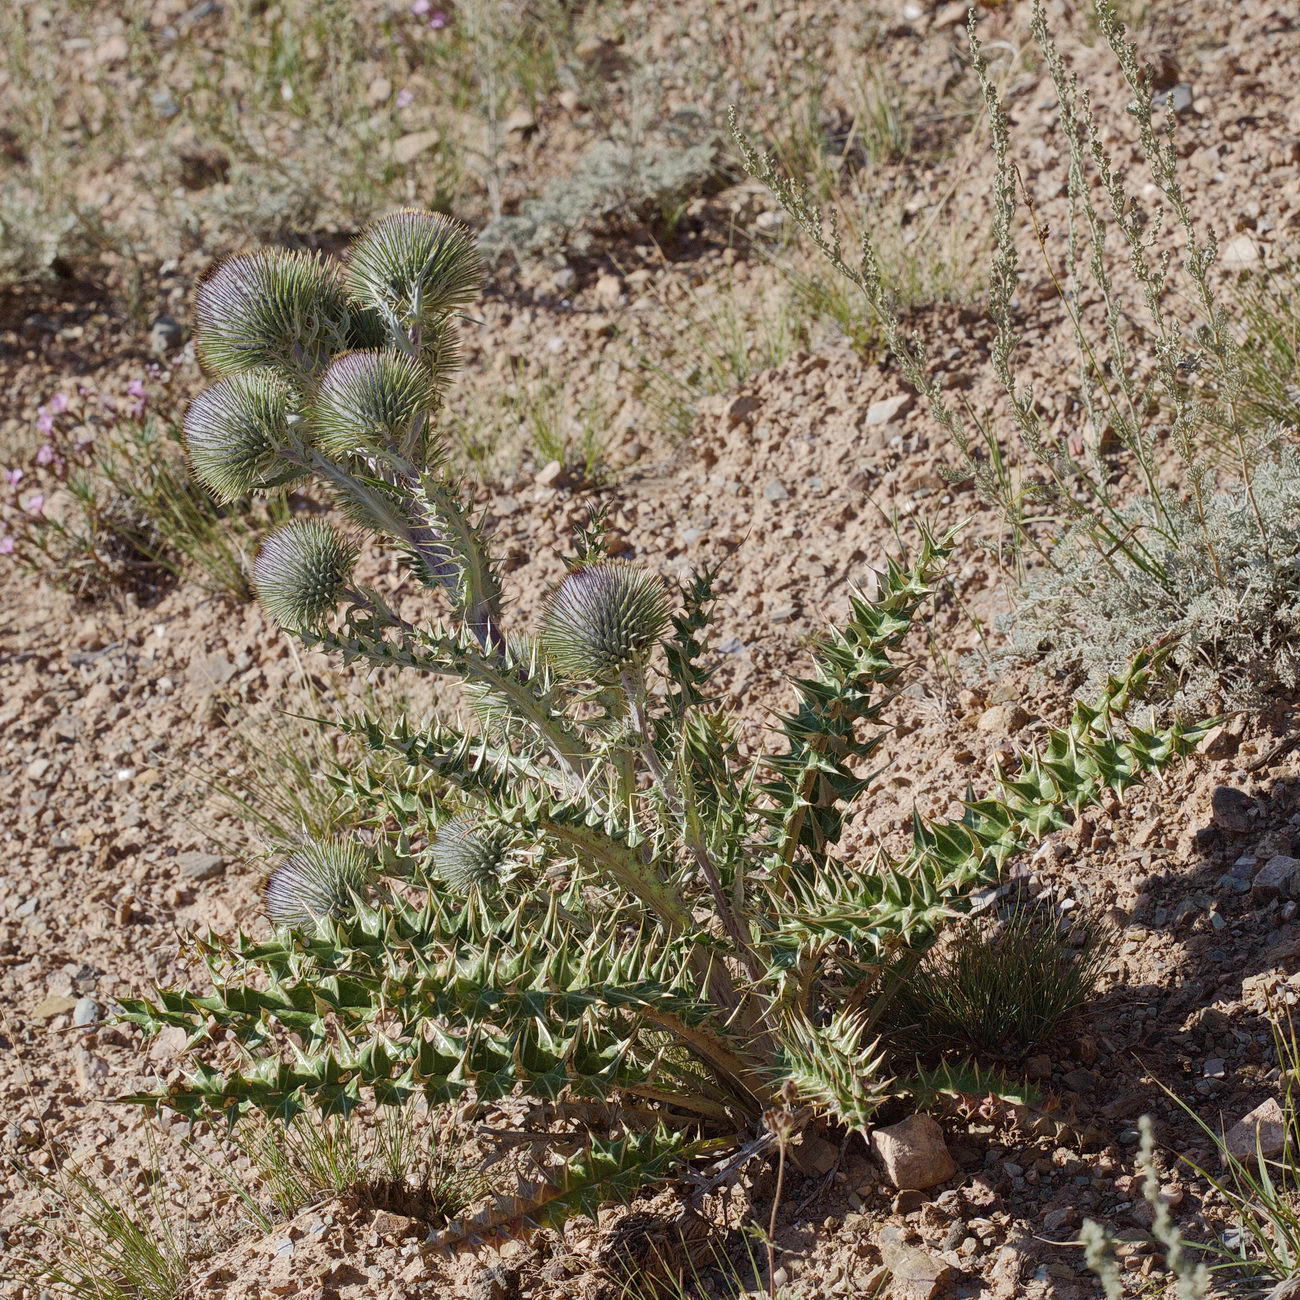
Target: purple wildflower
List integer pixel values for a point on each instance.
(59, 403)
(35, 504)
(405, 98)
(439, 20)
(421, 7)
(45, 421)
(136, 390)
(45, 454)
(6, 545)
(13, 476)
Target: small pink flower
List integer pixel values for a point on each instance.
(136, 388)
(405, 98)
(439, 20)
(6, 545)
(36, 504)
(421, 7)
(45, 421)
(45, 455)
(59, 403)
(13, 476)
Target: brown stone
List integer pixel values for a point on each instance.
(55, 1005)
(913, 1153)
(915, 1273)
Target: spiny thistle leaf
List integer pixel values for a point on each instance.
(813, 781)
(603, 620)
(608, 1171)
(301, 572)
(413, 268)
(833, 1068)
(967, 1079)
(277, 308)
(235, 433)
(369, 400)
(469, 854)
(318, 881)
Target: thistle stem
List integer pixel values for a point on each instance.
(633, 683)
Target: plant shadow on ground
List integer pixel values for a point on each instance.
(1218, 943)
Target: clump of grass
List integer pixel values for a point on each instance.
(1271, 355)
(709, 341)
(98, 1242)
(399, 1159)
(1000, 987)
(533, 415)
(277, 782)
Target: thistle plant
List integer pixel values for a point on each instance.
(588, 891)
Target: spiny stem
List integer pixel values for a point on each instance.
(633, 682)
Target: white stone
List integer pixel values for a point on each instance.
(887, 408)
(1242, 251)
(1262, 1132)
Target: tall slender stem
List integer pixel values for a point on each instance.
(633, 683)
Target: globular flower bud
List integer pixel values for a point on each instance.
(275, 307)
(301, 572)
(373, 399)
(234, 431)
(469, 855)
(414, 267)
(604, 620)
(316, 882)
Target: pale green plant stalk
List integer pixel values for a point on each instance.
(1114, 391)
(1192, 1280)
(1203, 562)
(1261, 1190)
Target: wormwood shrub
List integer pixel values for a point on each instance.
(33, 239)
(1205, 555)
(644, 174)
(586, 891)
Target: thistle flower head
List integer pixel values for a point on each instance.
(272, 308)
(603, 620)
(468, 855)
(234, 431)
(374, 399)
(414, 267)
(316, 882)
(301, 571)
